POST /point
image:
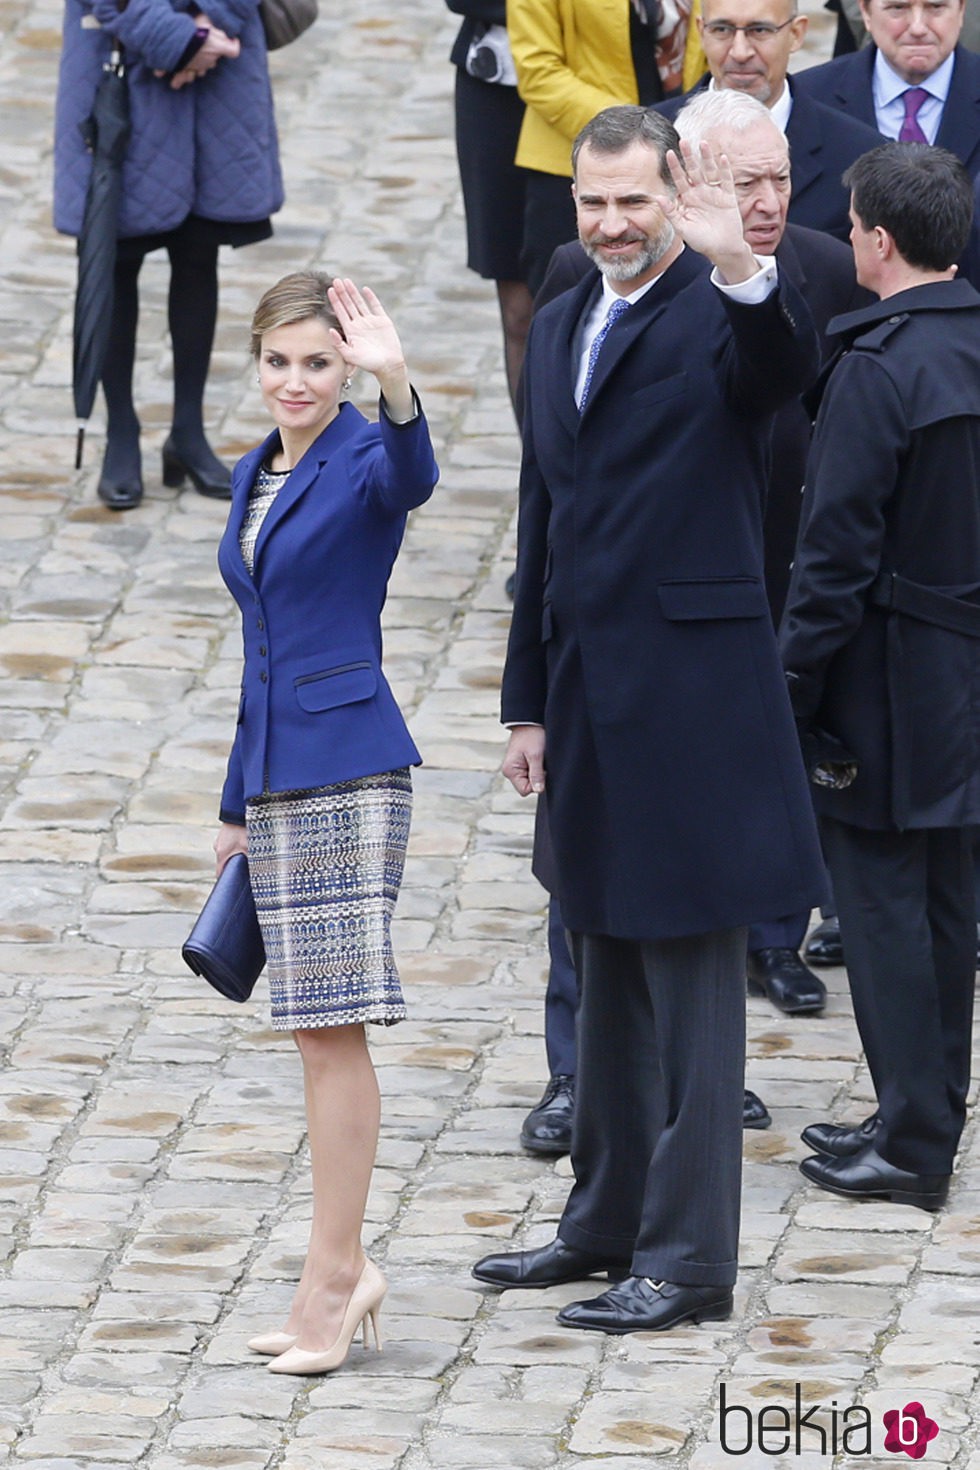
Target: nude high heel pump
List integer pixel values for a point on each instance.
(271, 1343)
(366, 1298)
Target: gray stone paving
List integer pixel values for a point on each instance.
(154, 1194)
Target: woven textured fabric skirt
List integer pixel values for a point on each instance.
(325, 867)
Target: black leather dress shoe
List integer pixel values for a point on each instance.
(824, 945)
(548, 1127)
(781, 975)
(203, 468)
(549, 1265)
(641, 1305)
(755, 1114)
(120, 484)
(840, 1142)
(868, 1175)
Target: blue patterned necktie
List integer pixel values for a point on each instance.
(615, 311)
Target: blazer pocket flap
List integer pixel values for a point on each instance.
(657, 392)
(333, 687)
(730, 597)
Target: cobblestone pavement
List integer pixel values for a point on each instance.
(154, 1196)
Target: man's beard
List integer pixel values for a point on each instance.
(628, 268)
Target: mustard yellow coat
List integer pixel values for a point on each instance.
(573, 58)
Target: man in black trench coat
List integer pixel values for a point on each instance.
(643, 683)
(881, 641)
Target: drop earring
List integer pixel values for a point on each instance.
(347, 383)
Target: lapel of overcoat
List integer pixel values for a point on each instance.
(640, 317)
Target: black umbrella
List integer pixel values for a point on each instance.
(106, 133)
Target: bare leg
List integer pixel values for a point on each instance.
(515, 315)
(343, 1112)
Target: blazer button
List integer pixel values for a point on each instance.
(260, 625)
(263, 677)
(262, 650)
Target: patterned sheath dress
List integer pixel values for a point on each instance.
(325, 867)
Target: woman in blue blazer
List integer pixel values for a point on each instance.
(318, 791)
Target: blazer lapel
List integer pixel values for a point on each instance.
(789, 262)
(805, 141)
(958, 126)
(348, 423)
(855, 93)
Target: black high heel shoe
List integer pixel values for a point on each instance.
(120, 484)
(207, 474)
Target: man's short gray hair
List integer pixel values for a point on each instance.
(736, 112)
(617, 128)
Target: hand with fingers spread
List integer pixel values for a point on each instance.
(371, 342)
(704, 210)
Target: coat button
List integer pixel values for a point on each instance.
(263, 677)
(260, 625)
(262, 650)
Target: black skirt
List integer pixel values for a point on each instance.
(488, 123)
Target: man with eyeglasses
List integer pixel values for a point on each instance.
(748, 44)
(916, 84)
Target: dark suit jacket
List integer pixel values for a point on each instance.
(315, 705)
(641, 636)
(822, 144)
(893, 486)
(822, 270)
(845, 85)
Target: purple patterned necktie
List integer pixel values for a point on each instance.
(911, 131)
(616, 310)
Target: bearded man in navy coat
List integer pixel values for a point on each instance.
(643, 683)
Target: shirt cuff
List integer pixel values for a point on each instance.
(513, 724)
(400, 423)
(757, 288)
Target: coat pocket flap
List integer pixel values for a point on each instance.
(723, 597)
(344, 685)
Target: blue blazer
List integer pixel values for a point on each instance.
(315, 706)
(845, 84)
(822, 144)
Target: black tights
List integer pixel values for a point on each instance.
(192, 307)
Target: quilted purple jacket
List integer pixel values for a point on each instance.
(209, 149)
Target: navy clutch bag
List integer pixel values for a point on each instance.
(225, 945)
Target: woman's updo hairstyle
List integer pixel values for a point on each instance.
(298, 297)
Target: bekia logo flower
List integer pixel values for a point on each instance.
(909, 1430)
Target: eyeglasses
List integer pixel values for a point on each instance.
(759, 31)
